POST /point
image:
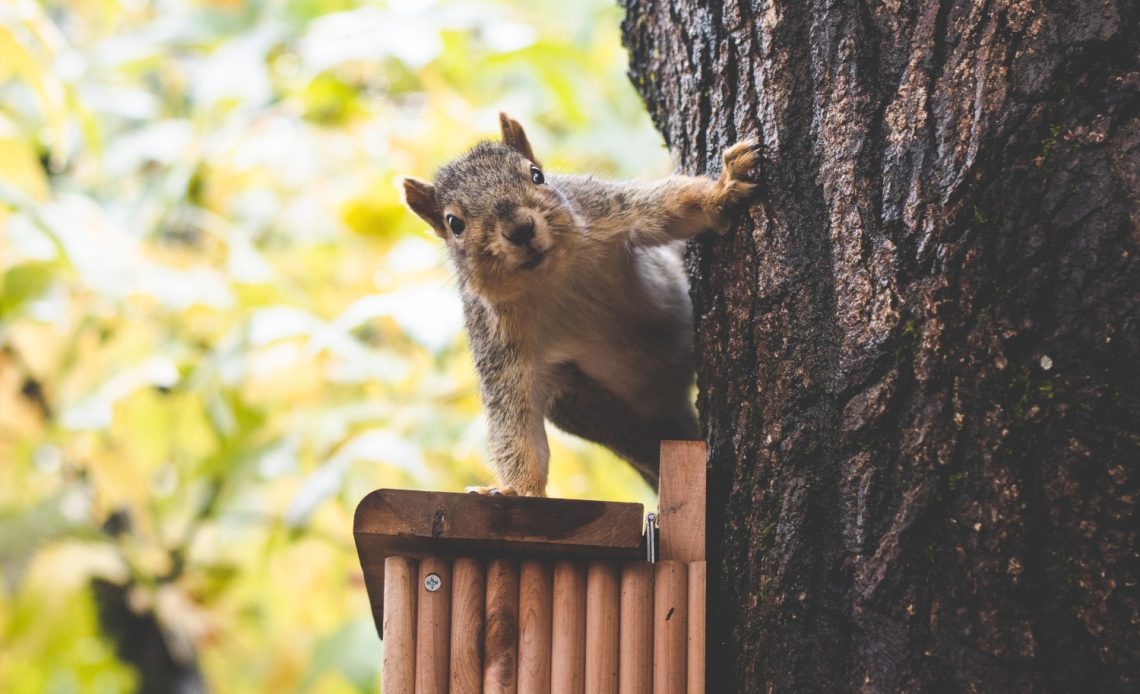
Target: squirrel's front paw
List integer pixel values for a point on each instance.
(737, 183)
(740, 161)
(504, 491)
(493, 491)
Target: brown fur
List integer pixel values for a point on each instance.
(584, 318)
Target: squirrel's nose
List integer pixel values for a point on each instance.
(521, 234)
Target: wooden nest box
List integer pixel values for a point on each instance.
(497, 594)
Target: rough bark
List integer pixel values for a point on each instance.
(919, 354)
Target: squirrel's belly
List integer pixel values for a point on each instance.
(645, 357)
(629, 327)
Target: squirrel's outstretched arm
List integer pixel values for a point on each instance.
(653, 213)
(516, 435)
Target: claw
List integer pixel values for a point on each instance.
(492, 491)
(741, 158)
(739, 180)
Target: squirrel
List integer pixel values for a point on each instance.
(575, 298)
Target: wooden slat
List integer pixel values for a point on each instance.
(438, 523)
(398, 670)
(568, 666)
(682, 501)
(635, 655)
(536, 605)
(602, 579)
(696, 642)
(501, 643)
(433, 625)
(670, 627)
(420, 524)
(467, 595)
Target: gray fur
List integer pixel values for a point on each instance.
(589, 324)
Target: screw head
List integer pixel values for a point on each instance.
(432, 582)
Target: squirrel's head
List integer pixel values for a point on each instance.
(500, 218)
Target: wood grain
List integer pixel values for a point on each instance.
(467, 599)
(536, 605)
(433, 626)
(635, 650)
(670, 627)
(392, 522)
(695, 671)
(602, 581)
(568, 667)
(398, 669)
(501, 644)
(682, 501)
(471, 524)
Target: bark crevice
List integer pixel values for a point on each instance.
(916, 353)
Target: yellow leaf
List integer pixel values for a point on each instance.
(26, 48)
(19, 165)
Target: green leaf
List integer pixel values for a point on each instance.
(352, 650)
(23, 283)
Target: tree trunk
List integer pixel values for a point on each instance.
(919, 353)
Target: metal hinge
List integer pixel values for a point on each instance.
(651, 538)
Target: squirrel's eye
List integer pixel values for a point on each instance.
(455, 224)
(536, 175)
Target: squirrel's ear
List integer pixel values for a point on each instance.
(420, 196)
(515, 138)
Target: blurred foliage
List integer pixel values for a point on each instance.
(219, 328)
